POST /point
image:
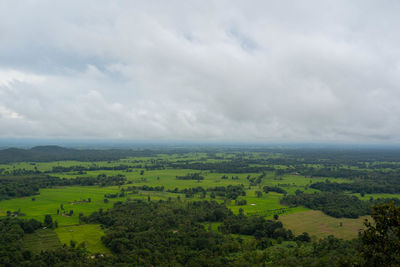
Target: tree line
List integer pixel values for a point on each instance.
(334, 204)
(14, 186)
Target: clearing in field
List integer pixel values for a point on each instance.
(318, 224)
(267, 206)
(42, 239)
(90, 234)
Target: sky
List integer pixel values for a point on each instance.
(211, 71)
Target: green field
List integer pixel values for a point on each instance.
(89, 234)
(140, 172)
(41, 240)
(50, 200)
(318, 224)
(72, 197)
(266, 206)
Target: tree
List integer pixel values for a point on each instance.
(72, 243)
(276, 216)
(80, 217)
(259, 194)
(48, 221)
(241, 212)
(304, 237)
(298, 192)
(381, 240)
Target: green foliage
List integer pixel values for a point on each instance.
(172, 231)
(377, 185)
(241, 202)
(191, 176)
(381, 239)
(255, 226)
(12, 232)
(275, 189)
(56, 153)
(48, 221)
(334, 204)
(230, 192)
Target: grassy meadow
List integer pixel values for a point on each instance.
(318, 224)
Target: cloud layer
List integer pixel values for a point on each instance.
(259, 71)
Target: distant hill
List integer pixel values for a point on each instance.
(56, 153)
(50, 149)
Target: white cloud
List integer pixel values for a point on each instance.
(227, 70)
(9, 77)
(9, 114)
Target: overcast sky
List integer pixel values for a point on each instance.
(258, 71)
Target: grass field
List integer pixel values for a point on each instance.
(50, 200)
(266, 206)
(320, 225)
(299, 219)
(42, 239)
(90, 234)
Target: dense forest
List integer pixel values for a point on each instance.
(143, 233)
(333, 204)
(52, 153)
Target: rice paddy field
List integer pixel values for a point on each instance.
(59, 201)
(42, 239)
(87, 234)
